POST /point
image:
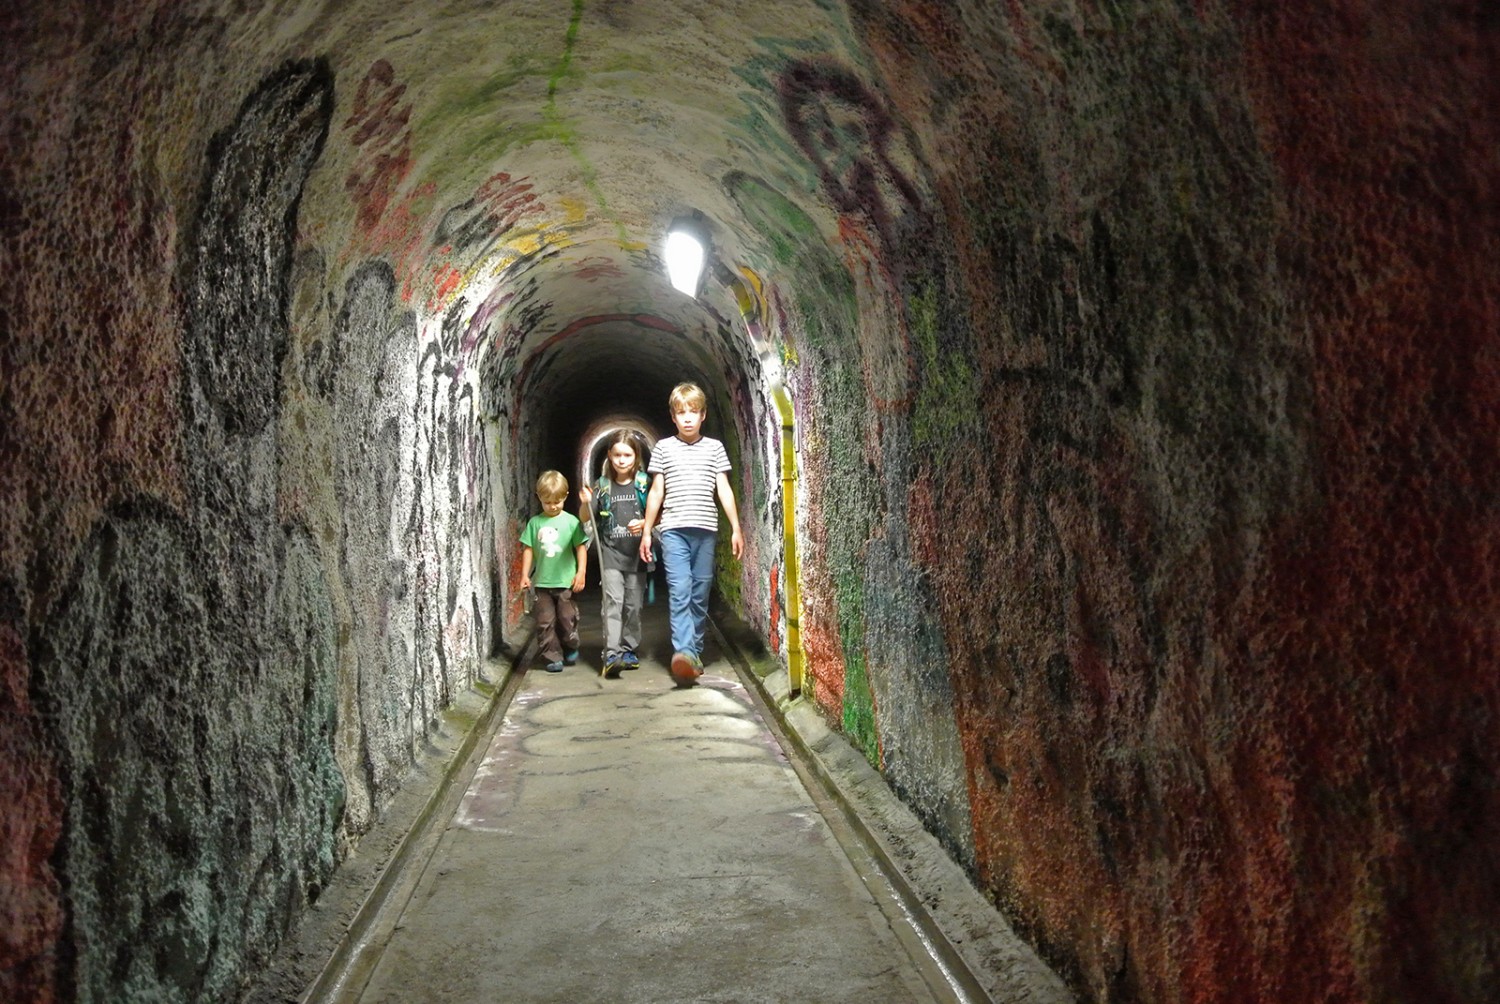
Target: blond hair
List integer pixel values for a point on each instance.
(687, 397)
(551, 485)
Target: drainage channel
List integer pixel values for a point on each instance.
(359, 950)
(942, 966)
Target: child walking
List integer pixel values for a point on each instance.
(556, 548)
(620, 511)
(687, 470)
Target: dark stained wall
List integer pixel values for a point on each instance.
(1225, 651)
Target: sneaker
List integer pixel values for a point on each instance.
(570, 656)
(554, 667)
(612, 667)
(685, 669)
(629, 660)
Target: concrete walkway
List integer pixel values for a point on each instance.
(625, 840)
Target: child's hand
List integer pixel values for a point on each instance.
(585, 496)
(737, 543)
(578, 583)
(634, 526)
(646, 549)
(525, 582)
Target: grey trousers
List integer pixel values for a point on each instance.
(623, 593)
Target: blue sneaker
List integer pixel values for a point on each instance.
(612, 666)
(554, 667)
(629, 660)
(570, 656)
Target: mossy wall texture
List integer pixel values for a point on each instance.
(1144, 374)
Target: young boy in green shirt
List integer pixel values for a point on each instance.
(556, 549)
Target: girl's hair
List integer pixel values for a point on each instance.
(628, 438)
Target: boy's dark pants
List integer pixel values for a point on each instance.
(556, 623)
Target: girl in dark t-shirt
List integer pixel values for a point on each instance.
(619, 498)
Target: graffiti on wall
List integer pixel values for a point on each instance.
(234, 603)
(850, 137)
(379, 126)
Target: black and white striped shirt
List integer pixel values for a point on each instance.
(692, 472)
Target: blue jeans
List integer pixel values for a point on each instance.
(688, 555)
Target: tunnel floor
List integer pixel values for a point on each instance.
(623, 839)
(626, 840)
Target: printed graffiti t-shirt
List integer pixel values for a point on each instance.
(621, 550)
(552, 541)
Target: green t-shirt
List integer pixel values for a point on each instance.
(552, 540)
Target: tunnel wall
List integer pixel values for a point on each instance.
(1145, 397)
(1194, 470)
(248, 544)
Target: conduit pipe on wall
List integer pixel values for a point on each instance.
(790, 571)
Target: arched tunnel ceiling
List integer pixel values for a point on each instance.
(618, 365)
(520, 164)
(1144, 432)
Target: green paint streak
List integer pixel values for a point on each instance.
(469, 115)
(826, 300)
(859, 707)
(850, 515)
(828, 309)
(944, 414)
(564, 133)
(496, 142)
(519, 68)
(487, 136)
(790, 231)
(761, 128)
(569, 40)
(830, 321)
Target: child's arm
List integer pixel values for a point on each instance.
(732, 511)
(526, 568)
(653, 507)
(585, 512)
(582, 554)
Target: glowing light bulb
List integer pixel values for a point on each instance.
(684, 261)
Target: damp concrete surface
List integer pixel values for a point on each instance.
(626, 840)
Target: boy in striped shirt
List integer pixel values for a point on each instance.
(687, 470)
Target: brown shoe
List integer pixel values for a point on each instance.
(684, 669)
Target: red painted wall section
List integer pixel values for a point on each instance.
(1382, 607)
(820, 629)
(1226, 674)
(90, 417)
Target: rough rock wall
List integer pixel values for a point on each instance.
(243, 573)
(853, 357)
(1216, 565)
(1146, 398)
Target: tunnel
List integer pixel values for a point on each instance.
(1111, 391)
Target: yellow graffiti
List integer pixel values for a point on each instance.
(551, 235)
